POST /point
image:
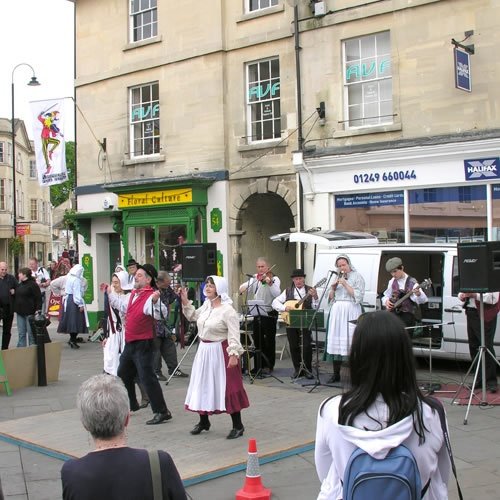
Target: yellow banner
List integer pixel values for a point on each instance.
(154, 198)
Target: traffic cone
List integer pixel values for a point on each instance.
(253, 487)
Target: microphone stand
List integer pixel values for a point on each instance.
(318, 382)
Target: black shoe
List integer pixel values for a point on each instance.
(80, 340)
(309, 375)
(143, 404)
(199, 427)
(73, 344)
(334, 378)
(159, 418)
(492, 388)
(161, 377)
(135, 407)
(235, 433)
(180, 374)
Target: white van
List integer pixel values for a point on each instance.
(443, 317)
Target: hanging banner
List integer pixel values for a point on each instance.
(463, 79)
(50, 148)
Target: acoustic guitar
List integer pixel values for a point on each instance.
(297, 304)
(399, 298)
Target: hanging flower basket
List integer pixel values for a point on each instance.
(16, 245)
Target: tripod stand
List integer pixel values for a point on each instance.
(182, 359)
(480, 360)
(258, 310)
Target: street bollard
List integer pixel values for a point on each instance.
(40, 324)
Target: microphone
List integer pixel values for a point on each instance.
(334, 272)
(248, 275)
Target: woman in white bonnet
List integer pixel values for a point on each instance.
(216, 385)
(345, 296)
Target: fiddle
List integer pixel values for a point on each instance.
(267, 277)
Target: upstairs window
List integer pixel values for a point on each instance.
(368, 80)
(263, 100)
(145, 120)
(254, 5)
(3, 194)
(2, 152)
(143, 20)
(19, 163)
(33, 172)
(34, 209)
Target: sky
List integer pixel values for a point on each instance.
(40, 33)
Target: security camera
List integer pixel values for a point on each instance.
(107, 204)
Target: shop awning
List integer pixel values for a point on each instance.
(333, 238)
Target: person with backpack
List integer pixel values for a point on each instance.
(383, 425)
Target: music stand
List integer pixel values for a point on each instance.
(480, 359)
(258, 309)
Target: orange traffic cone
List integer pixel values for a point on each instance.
(253, 487)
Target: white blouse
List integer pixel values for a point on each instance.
(216, 324)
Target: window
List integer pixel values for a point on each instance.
(145, 120)
(33, 172)
(263, 100)
(143, 20)
(368, 80)
(19, 163)
(34, 209)
(20, 200)
(260, 4)
(2, 152)
(465, 194)
(3, 194)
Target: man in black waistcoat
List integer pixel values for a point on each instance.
(8, 286)
(299, 339)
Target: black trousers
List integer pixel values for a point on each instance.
(474, 337)
(264, 339)
(296, 337)
(165, 348)
(6, 329)
(137, 359)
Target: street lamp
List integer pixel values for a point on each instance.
(32, 83)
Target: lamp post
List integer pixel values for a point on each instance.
(32, 83)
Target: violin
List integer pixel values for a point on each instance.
(262, 277)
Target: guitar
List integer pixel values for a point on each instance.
(424, 285)
(298, 304)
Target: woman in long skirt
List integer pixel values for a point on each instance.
(74, 319)
(216, 385)
(346, 295)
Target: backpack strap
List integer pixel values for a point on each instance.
(438, 406)
(154, 464)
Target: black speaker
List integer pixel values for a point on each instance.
(199, 260)
(479, 266)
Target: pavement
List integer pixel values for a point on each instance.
(39, 428)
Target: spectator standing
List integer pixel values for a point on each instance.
(8, 285)
(165, 343)
(28, 300)
(114, 471)
(42, 278)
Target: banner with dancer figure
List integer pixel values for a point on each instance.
(50, 148)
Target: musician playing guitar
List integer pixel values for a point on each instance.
(299, 339)
(399, 285)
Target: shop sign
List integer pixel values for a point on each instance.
(23, 229)
(261, 91)
(145, 112)
(481, 169)
(462, 69)
(364, 200)
(368, 70)
(216, 220)
(155, 198)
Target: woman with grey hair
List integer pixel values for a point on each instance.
(113, 470)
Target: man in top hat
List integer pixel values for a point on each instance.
(142, 309)
(132, 267)
(399, 285)
(299, 339)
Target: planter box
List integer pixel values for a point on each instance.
(21, 366)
